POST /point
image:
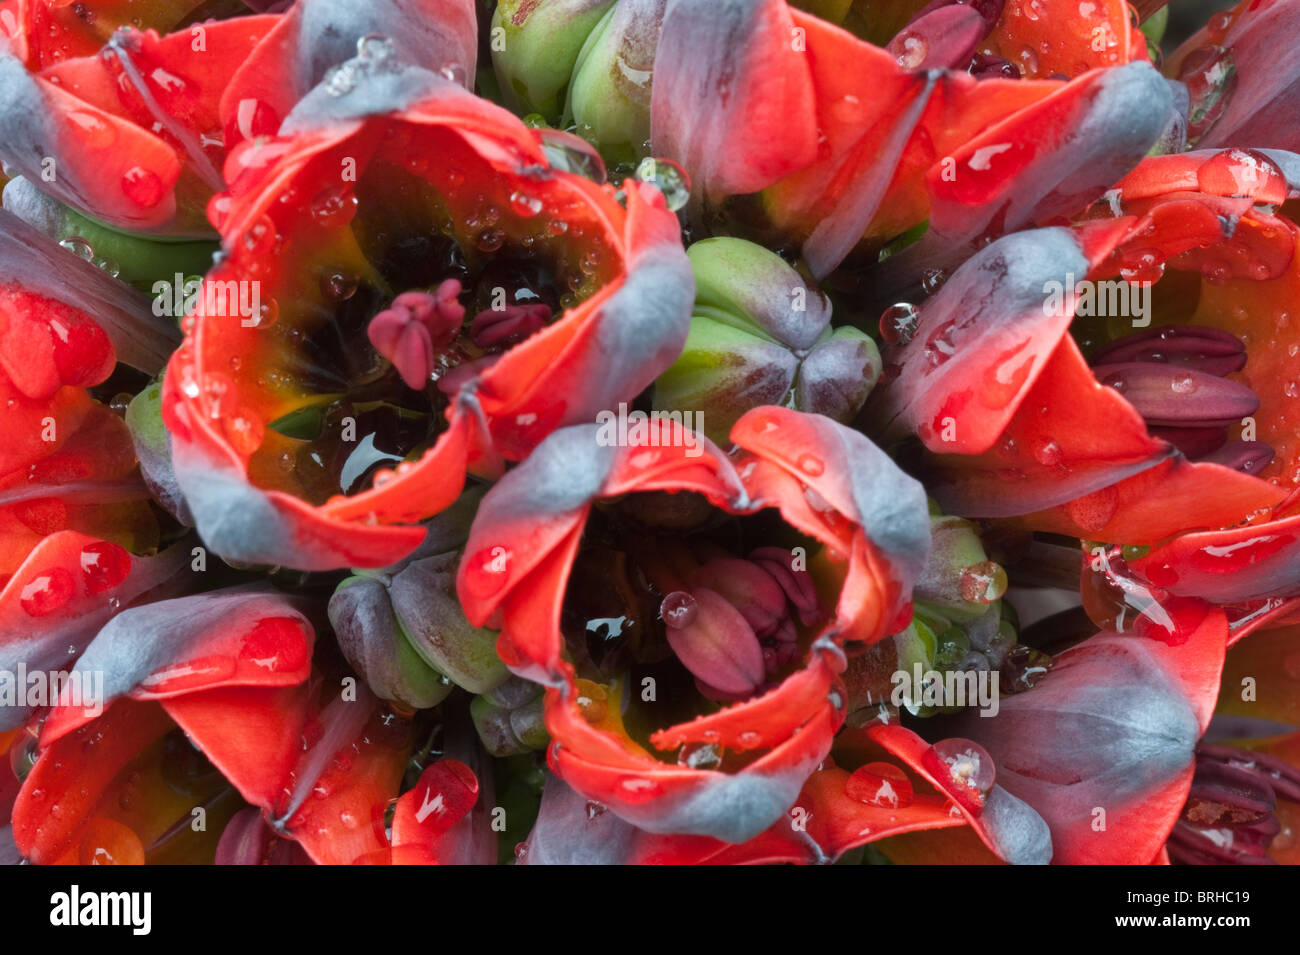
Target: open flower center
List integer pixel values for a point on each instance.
(1230, 815)
(407, 309)
(668, 590)
(1176, 377)
(733, 624)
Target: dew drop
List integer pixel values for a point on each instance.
(142, 186)
(339, 286)
(880, 784)
(910, 49)
(983, 583)
(47, 592)
(79, 247)
(104, 565)
(525, 205)
(1047, 453)
(898, 323)
(244, 430)
(669, 178)
(932, 280)
(678, 609)
(341, 80)
(968, 765)
(811, 465)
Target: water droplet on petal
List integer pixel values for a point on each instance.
(244, 430)
(968, 765)
(525, 205)
(1211, 77)
(880, 784)
(669, 178)
(898, 323)
(47, 592)
(811, 465)
(983, 583)
(79, 247)
(375, 47)
(104, 565)
(1047, 453)
(909, 49)
(932, 280)
(142, 186)
(339, 286)
(341, 80)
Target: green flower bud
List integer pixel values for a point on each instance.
(425, 604)
(373, 642)
(510, 718)
(140, 260)
(959, 582)
(760, 335)
(535, 47)
(1154, 26)
(609, 98)
(149, 437)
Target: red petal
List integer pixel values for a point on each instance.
(73, 773)
(732, 99)
(1062, 36)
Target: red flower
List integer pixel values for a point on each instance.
(1239, 74)
(1106, 462)
(877, 148)
(276, 417)
(310, 38)
(67, 461)
(320, 757)
(832, 487)
(129, 135)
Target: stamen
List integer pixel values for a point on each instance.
(797, 585)
(1207, 350)
(943, 35)
(1179, 396)
(714, 642)
(729, 619)
(416, 327)
(1174, 376)
(1230, 815)
(1195, 443)
(987, 66)
(1250, 457)
(495, 329)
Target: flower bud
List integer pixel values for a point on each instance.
(361, 613)
(609, 98)
(132, 257)
(959, 580)
(149, 437)
(510, 718)
(539, 46)
(425, 604)
(760, 335)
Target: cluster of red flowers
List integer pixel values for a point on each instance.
(673, 431)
